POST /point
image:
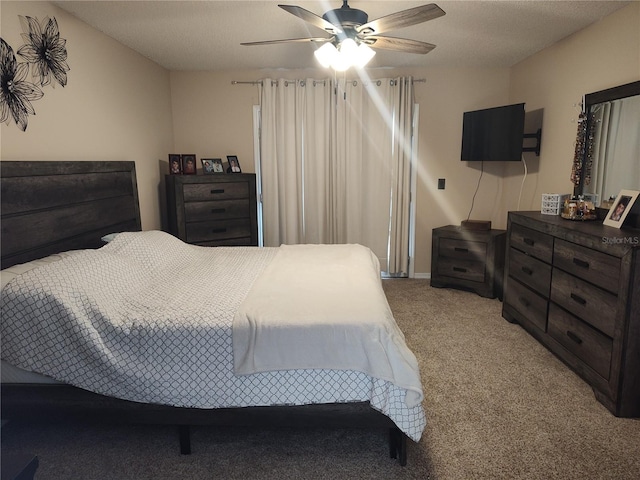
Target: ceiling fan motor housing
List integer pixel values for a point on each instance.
(346, 16)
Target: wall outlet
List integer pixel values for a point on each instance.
(441, 184)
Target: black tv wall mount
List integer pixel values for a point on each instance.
(538, 137)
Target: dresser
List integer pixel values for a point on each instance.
(468, 259)
(575, 286)
(213, 210)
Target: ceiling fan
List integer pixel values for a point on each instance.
(346, 24)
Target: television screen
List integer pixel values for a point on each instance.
(493, 134)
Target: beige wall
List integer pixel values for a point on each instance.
(116, 106)
(601, 56)
(119, 105)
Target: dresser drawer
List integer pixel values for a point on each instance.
(217, 210)
(529, 304)
(536, 244)
(198, 232)
(592, 304)
(596, 267)
(583, 341)
(463, 269)
(530, 271)
(194, 192)
(463, 249)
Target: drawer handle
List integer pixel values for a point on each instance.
(217, 190)
(459, 269)
(218, 230)
(528, 241)
(524, 302)
(578, 299)
(527, 270)
(574, 337)
(218, 210)
(580, 263)
(461, 249)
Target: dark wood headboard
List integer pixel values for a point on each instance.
(51, 207)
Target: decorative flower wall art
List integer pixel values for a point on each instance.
(45, 55)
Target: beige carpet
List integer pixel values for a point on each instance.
(499, 406)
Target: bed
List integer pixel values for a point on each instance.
(242, 370)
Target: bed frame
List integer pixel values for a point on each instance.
(51, 207)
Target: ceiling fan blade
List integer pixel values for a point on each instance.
(311, 18)
(398, 44)
(404, 18)
(291, 40)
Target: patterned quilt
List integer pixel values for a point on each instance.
(149, 318)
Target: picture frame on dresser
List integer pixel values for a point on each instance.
(189, 164)
(620, 208)
(211, 166)
(234, 164)
(175, 164)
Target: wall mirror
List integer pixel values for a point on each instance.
(611, 159)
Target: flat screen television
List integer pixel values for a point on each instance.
(493, 134)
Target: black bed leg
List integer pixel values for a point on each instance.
(398, 445)
(185, 439)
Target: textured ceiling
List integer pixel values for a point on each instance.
(206, 35)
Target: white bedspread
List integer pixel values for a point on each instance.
(322, 306)
(149, 318)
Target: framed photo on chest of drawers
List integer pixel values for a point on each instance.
(213, 210)
(575, 286)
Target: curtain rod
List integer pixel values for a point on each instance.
(259, 82)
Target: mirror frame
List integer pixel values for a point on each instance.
(615, 93)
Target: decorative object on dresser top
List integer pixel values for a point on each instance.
(575, 286)
(234, 164)
(213, 210)
(468, 258)
(620, 208)
(212, 165)
(300, 397)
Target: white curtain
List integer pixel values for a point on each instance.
(335, 162)
(616, 148)
(295, 132)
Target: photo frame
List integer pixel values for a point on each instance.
(211, 166)
(234, 164)
(175, 164)
(189, 164)
(620, 208)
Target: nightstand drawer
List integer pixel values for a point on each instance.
(594, 305)
(596, 267)
(218, 210)
(218, 230)
(194, 192)
(463, 269)
(536, 244)
(529, 304)
(530, 271)
(463, 249)
(583, 341)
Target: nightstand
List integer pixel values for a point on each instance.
(468, 259)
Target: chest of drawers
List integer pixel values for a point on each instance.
(469, 259)
(213, 210)
(575, 286)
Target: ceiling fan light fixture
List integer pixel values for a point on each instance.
(347, 54)
(327, 54)
(365, 54)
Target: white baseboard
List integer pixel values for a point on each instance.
(422, 276)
